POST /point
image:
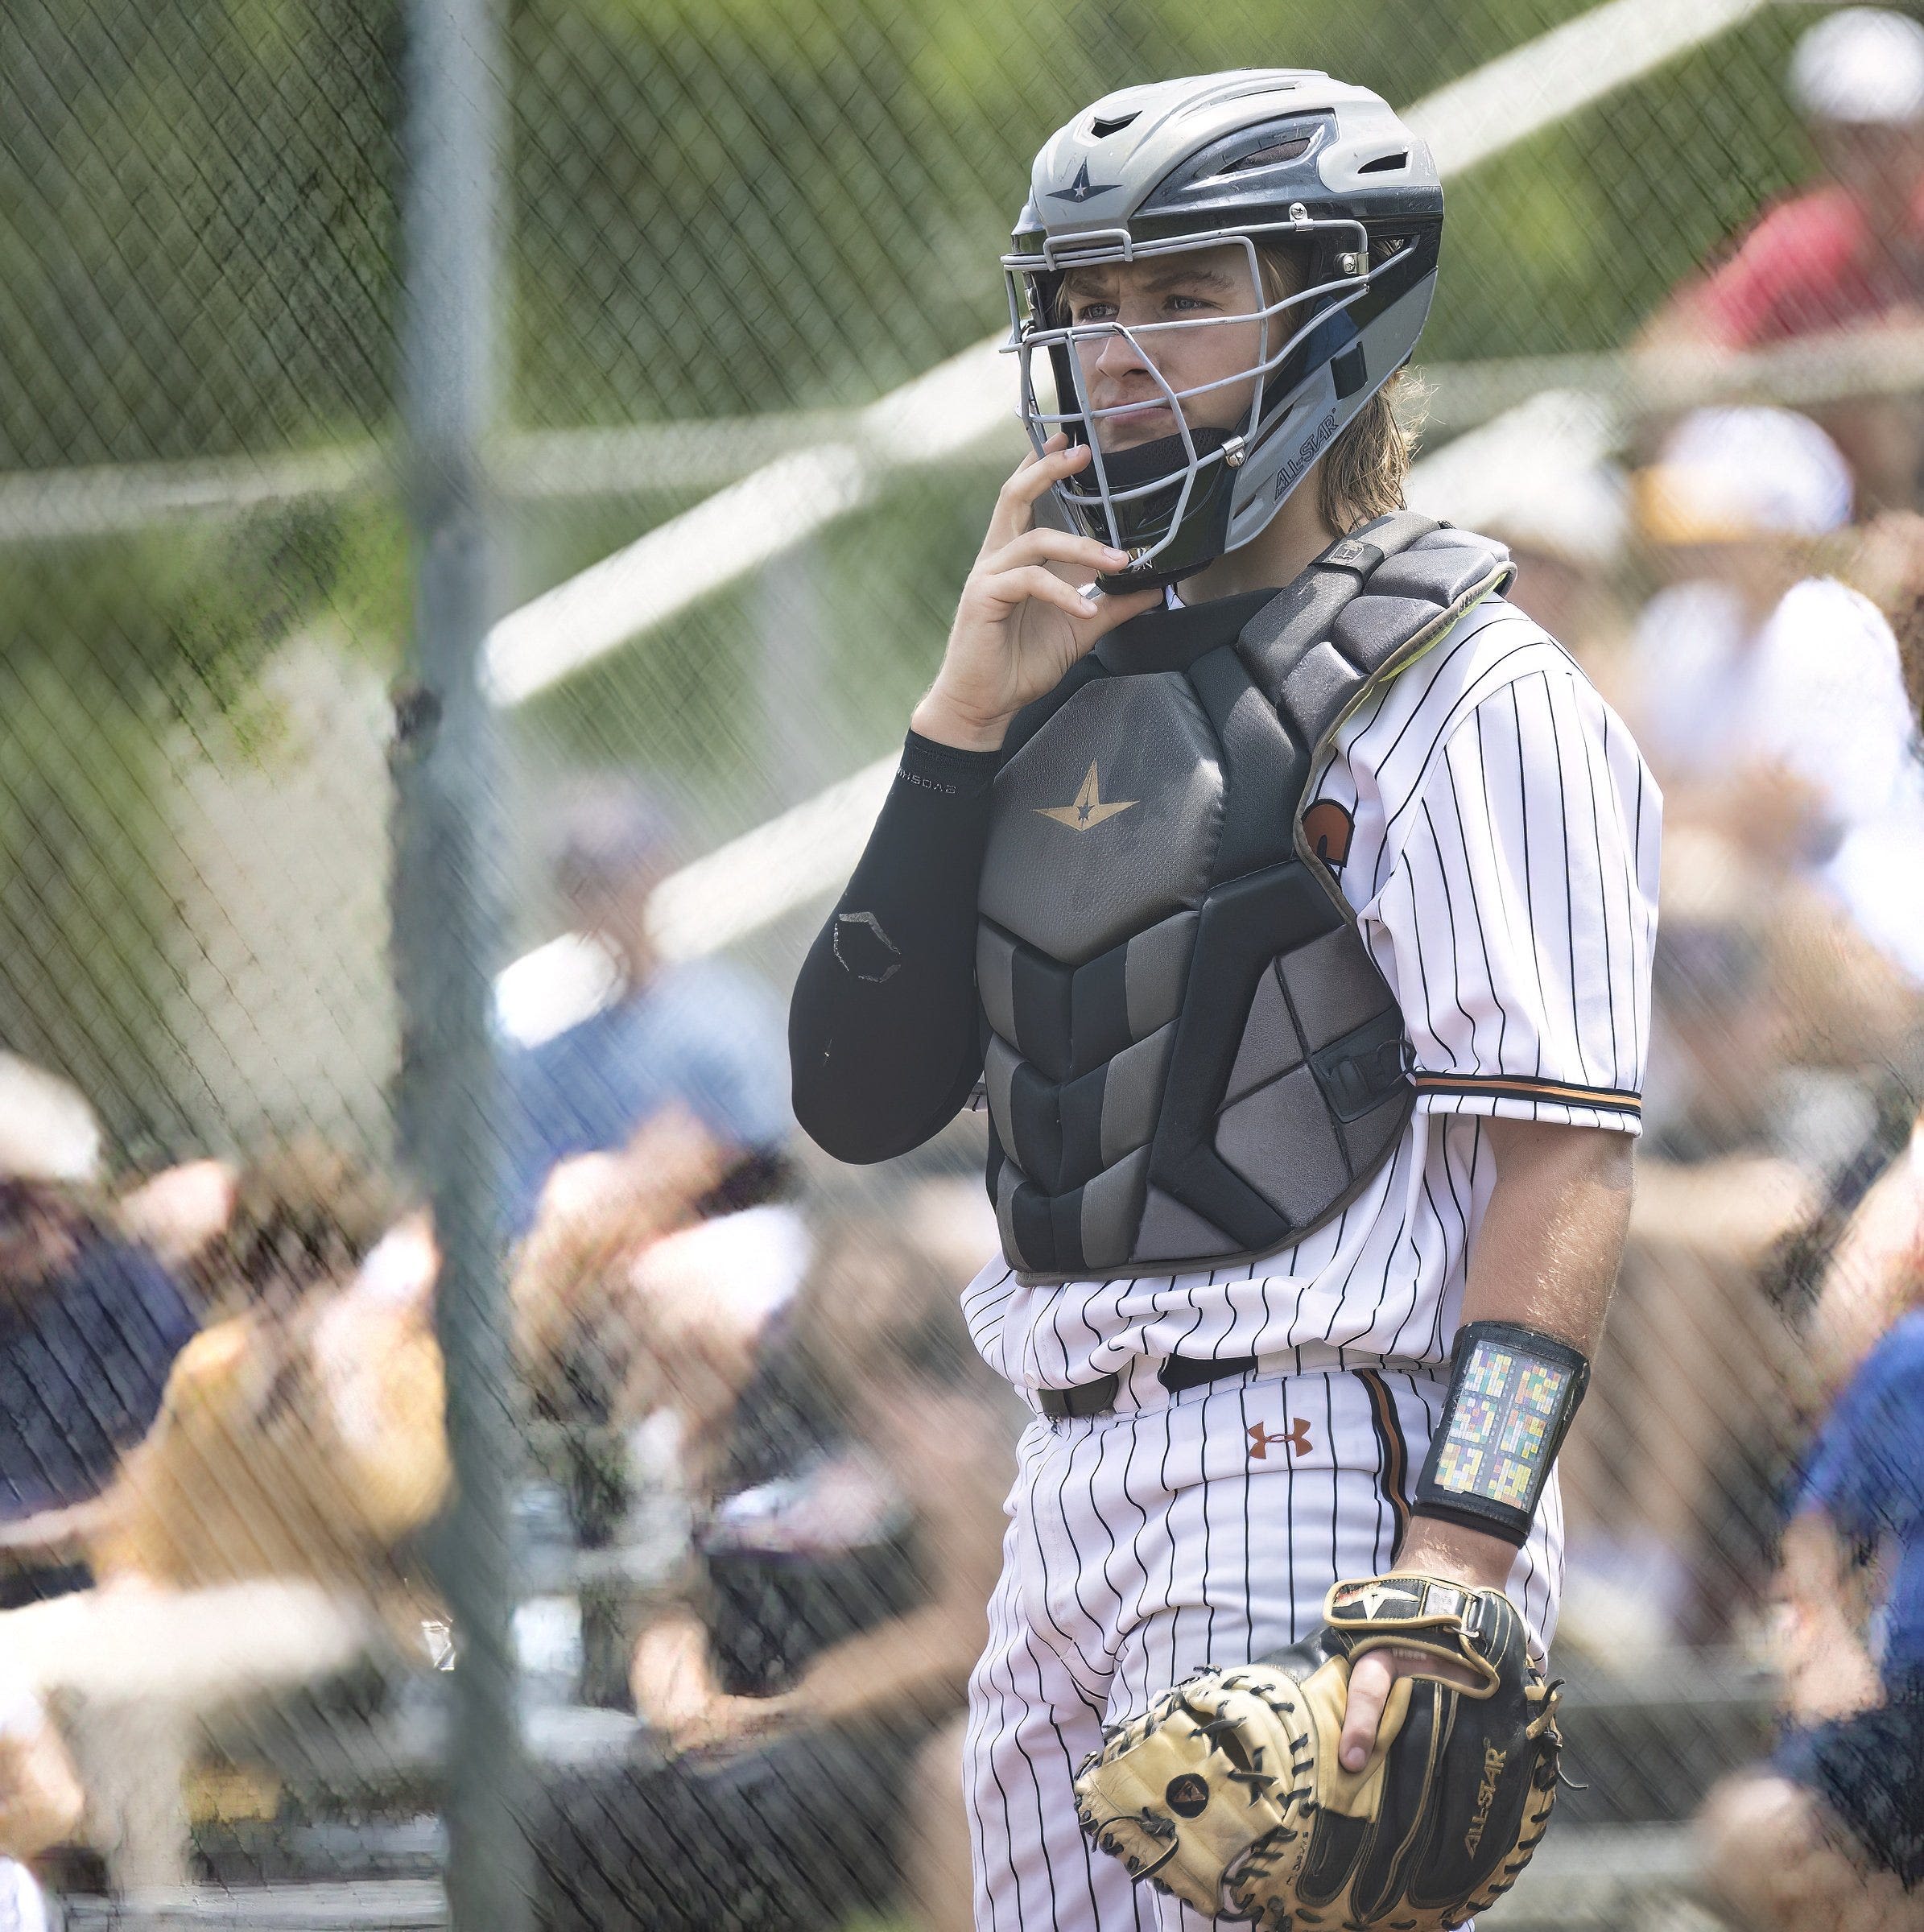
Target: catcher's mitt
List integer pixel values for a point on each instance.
(1228, 1793)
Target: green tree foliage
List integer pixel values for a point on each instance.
(717, 208)
(196, 226)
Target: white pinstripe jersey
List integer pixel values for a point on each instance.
(1497, 832)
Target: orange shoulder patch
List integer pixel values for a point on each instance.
(1326, 826)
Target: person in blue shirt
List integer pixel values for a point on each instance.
(89, 1326)
(1830, 1832)
(606, 1035)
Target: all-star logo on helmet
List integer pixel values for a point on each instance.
(1081, 189)
(1256, 160)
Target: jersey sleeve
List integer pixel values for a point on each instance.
(1520, 910)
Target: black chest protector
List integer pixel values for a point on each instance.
(1192, 1057)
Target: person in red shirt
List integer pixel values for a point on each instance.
(1846, 253)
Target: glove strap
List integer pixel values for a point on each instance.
(1513, 1392)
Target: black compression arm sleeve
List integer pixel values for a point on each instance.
(883, 1039)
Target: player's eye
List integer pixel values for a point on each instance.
(1092, 312)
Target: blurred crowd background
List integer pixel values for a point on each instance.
(1677, 362)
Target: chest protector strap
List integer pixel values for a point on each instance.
(1191, 1058)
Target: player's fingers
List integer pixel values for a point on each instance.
(1038, 583)
(1015, 504)
(1370, 1677)
(1060, 457)
(1112, 609)
(1038, 546)
(1007, 519)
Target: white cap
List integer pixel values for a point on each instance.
(47, 1131)
(1864, 65)
(1726, 474)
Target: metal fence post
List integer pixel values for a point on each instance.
(445, 908)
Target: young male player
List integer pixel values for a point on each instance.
(1291, 898)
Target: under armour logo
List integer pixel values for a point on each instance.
(1082, 187)
(1090, 809)
(1262, 1442)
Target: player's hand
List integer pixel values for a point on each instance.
(1371, 1678)
(1433, 1549)
(1023, 618)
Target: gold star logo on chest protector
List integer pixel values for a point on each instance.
(1090, 808)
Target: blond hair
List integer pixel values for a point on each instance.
(1362, 474)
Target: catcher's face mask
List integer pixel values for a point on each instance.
(1174, 360)
(1202, 421)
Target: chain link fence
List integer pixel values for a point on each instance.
(748, 438)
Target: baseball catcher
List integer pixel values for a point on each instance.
(1285, 898)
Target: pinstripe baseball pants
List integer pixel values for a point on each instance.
(1177, 1531)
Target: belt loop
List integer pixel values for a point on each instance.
(1178, 1372)
(1081, 1400)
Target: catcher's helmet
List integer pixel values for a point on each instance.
(1259, 159)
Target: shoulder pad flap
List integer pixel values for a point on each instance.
(1437, 576)
(1292, 622)
(1374, 628)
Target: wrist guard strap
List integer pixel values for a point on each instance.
(1512, 1394)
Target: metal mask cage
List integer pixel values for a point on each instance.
(1030, 331)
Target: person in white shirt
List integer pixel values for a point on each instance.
(1768, 696)
(40, 1800)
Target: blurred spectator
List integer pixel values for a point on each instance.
(1851, 248)
(299, 1442)
(637, 1325)
(1772, 1021)
(811, 1718)
(1846, 252)
(588, 1322)
(1541, 478)
(41, 1802)
(1831, 1832)
(1874, 1275)
(1769, 698)
(693, 1319)
(252, 1542)
(301, 1434)
(1770, 1012)
(89, 1324)
(603, 1033)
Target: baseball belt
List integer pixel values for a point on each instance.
(1176, 1372)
